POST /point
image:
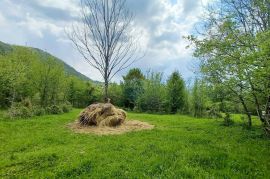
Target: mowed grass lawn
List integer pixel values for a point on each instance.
(178, 147)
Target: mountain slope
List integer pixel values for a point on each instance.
(7, 48)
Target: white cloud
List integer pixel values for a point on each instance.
(69, 5)
(40, 26)
(2, 21)
(165, 26)
(161, 25)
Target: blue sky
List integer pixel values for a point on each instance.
(162, 23)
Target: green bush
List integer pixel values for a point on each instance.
(18, 110)
(26, 112)
(27, 103)
(245, 124)
(153, 99)
(213, 111)
(227, 119)
(55, 109)
(39, 111)
(66, 107)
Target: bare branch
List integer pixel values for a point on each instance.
(105, 38)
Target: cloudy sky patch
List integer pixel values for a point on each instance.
(161, 23)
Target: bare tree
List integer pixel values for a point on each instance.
(105, 38)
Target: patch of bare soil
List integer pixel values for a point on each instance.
(127, 126)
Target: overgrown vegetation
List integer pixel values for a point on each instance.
(233, 49)
(35, 83)
(32, 84)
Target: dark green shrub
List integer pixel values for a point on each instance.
(213, 111)
(26, 112)
(227, 120)
(39, 111)
(48, 110)
(27, 103)
(66, 107)
(55, 109)
(18, 110)
(245, 122)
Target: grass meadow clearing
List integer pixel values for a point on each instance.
(178, 147)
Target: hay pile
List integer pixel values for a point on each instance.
(101, 114)
(127, 126)
(106, 119)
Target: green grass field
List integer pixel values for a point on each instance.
(178, 147)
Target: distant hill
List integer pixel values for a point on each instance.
(68, 69)
(6, 48)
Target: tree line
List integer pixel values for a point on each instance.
(42, 81)
(33, 82)
(152, 93)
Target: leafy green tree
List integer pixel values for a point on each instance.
(49, 81)
(132, 87)
(199, 98)
(176, 92)
(81, 93)
(116, 94)
(71, 91)
(262, 75)
(91, 94)
(37, 77)
(15, 68)
(153, 98)
(228, 50)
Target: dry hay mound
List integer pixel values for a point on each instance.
(101, 114)
(127, 126)
(106, 119)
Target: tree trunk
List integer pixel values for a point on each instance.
(106, 79)
(246, 111)
(106, 85)
(249, 120)
(258, 107)
(267, 117)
